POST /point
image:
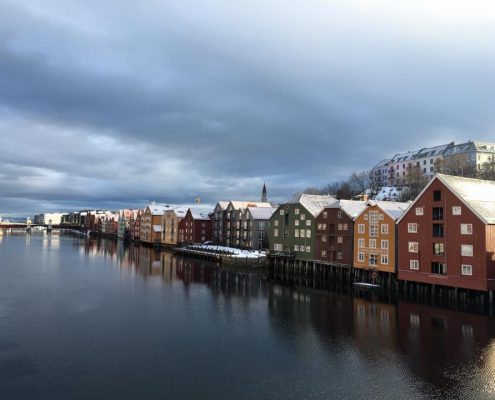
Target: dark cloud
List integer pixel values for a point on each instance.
(114, 103)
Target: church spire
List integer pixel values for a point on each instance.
(264, 197)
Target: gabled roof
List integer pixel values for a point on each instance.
(476, 194)
(159, 209)
(394, 209)
(240, 205)
(201, 212)
(352, 208)
(312, 202)
(223, 205)
(261, 212)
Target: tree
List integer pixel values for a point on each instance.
(312, 190)
(488, 170)
(457, 165)
(415, 183)
(359, 181)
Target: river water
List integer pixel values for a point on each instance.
(98, 320)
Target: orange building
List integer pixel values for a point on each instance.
(151, 223)
(374, 236)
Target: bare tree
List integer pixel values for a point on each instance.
(359, 181)
(415, 183)
(488, 170)
(456, 164)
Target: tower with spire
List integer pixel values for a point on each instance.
(264, 197)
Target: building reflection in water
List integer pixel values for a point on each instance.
(453, 351)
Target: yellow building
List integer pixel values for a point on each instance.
(151, 223)
(374, 236)
(170, 224)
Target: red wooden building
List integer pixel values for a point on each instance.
(335, 231)
(195, 227)
(447, 235)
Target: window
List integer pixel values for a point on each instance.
(466, 229)
(373, 259)
(467, 250)
(277, 247)
(325, 214)
(437, 195)
(296, 222)
(381, 217)
(384, 259)
(340, 239)
(320, 227)
(384, 244)
(373, 230)
(360, 242)
(281, 212)
(308, 249)
(339, 214)
(345, 227)
(361, 228)
(301, 248)
(414, 320)
(438, 230)
(467, 269)
(414, 264)
(456, 210)
(296, 247)
(361, 257)
(438, 249)
(308, 233)
(372, 244)
(412, 227)
(339, 227)
(296, 233)
(308, 222)
(275, 232)
(296, 211)
(384, 229)
(413, 247)
(339, 255)
(419, 211)
(437, 213)
(373, 217)
(261, 225)
(323, 253)
(323, 238)
(366, 217)
(275, 223)
(438, 268)
(302, 233)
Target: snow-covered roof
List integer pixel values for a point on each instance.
(477, 194)
(382, 163)
(159, 209)
(201, 212)
(393, 208)
(312, 202)
(223, 204)
(351, 207)
(433, 151)
(179, 211)
(484, 147)
(240, 205)
(261, 212)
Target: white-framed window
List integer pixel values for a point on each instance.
(323, 253)
(339, 214)
(296, 247)
(296, 222)
(361, 242)
(308, 233)
(467, 250)
(373, 230)
(282, 212)
(372, 244)
(366, 217)
(361, 257)
(278, 247)
(308, 222)
(308, 249)
(301, 248)
(324, 226)
(303, 217)
(384, 245)
(466, 229)
(296, 211)
(339, 227)
(339, 255)
(467, 269)
(340, 239)
(323, 238)
(302, 233)
(414, 320)
(296, 233)
(420, 211)
(345, 227)
(413, 247)
(325, 214)
(381, 217)
(414, 264)
(412, 227)
(320, 227)
(384, 229)
(456, 210)
(275, 233)
(361, 228)
(384, 259)
(275, 223)
(373, 217)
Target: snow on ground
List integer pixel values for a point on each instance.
(238, 253)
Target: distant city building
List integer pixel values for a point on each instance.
(49, 218)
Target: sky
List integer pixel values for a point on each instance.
(116, 103)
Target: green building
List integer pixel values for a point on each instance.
(292, 226)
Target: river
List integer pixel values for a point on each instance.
(95, 319)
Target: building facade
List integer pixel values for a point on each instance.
(255, 222)
(447, 236)
(196, 227)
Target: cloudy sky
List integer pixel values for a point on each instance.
(120, 102)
